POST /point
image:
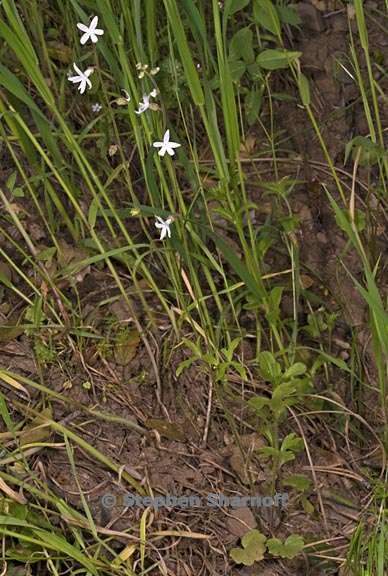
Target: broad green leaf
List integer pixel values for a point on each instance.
(282, 391)
(253, 101)
(370, 152)
(273, 305)
(275, 296)
(11, 181)
(269, 368)
(241, 45)
(265, 14)
(253, 548)
(336, 361)
(20, 511)
(236, 69)
(289, 549)
(283, 396)
(298, 481)
(275, 59)
(269, 451)
(288, 15)
(240, 370)
(255, 71)
(233, 6)
(229, 351)
(307, 506)
(258, 403)
(286, 456)
(18, 192)
(296, 369)
(292, 442)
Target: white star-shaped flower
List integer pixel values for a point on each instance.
(90, 31)
(143, 106)
(166, 145)
(82, 78)
(164, 226)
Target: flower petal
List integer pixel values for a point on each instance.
(93, 23)
(82, 27)
(84, 38)
(158, 144)
(166, 137)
